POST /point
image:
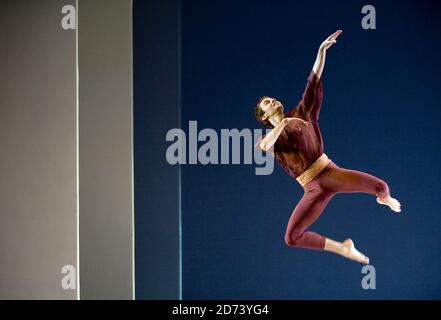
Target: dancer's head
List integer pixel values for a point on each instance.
(268, 110)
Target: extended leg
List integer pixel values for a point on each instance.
(345, 180)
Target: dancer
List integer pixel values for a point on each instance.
(297, 145)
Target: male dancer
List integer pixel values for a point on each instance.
(297, 145)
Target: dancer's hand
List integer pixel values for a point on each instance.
(330, 40)
(288, 120)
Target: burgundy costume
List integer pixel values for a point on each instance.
(299, 146)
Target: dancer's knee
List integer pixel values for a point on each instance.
(381, 189)
(292, 239)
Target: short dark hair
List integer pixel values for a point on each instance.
(259, 113)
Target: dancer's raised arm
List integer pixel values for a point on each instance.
(321, 55)
(310, 104)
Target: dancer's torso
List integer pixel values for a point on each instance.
(299, 145)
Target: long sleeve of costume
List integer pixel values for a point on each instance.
(309, 105)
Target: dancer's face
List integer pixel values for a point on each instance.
(271, 107)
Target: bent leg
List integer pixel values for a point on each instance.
(344, 180)
(307, 211)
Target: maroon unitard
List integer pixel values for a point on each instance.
(300, 145)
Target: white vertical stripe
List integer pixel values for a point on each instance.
(78, 150)
(132, 147)
(179, 121)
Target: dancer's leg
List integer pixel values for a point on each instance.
(306, 212)
(344, 180)
(340, 179)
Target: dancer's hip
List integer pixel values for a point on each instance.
(313, 170)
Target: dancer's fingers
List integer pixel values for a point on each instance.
(334, 35)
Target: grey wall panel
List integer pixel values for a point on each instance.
(106, 179)
(38, 143)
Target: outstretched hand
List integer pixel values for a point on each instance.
(330, 40)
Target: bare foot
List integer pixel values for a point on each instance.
(392, 203)
(349, 251)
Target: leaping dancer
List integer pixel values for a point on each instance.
(297, 145)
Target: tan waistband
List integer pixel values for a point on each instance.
(313, 170)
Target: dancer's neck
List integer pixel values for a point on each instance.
(276, 119)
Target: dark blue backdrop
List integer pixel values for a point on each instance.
(380, 115)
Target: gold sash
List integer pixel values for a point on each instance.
(313, 170)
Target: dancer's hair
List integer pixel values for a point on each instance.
(259, 113)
